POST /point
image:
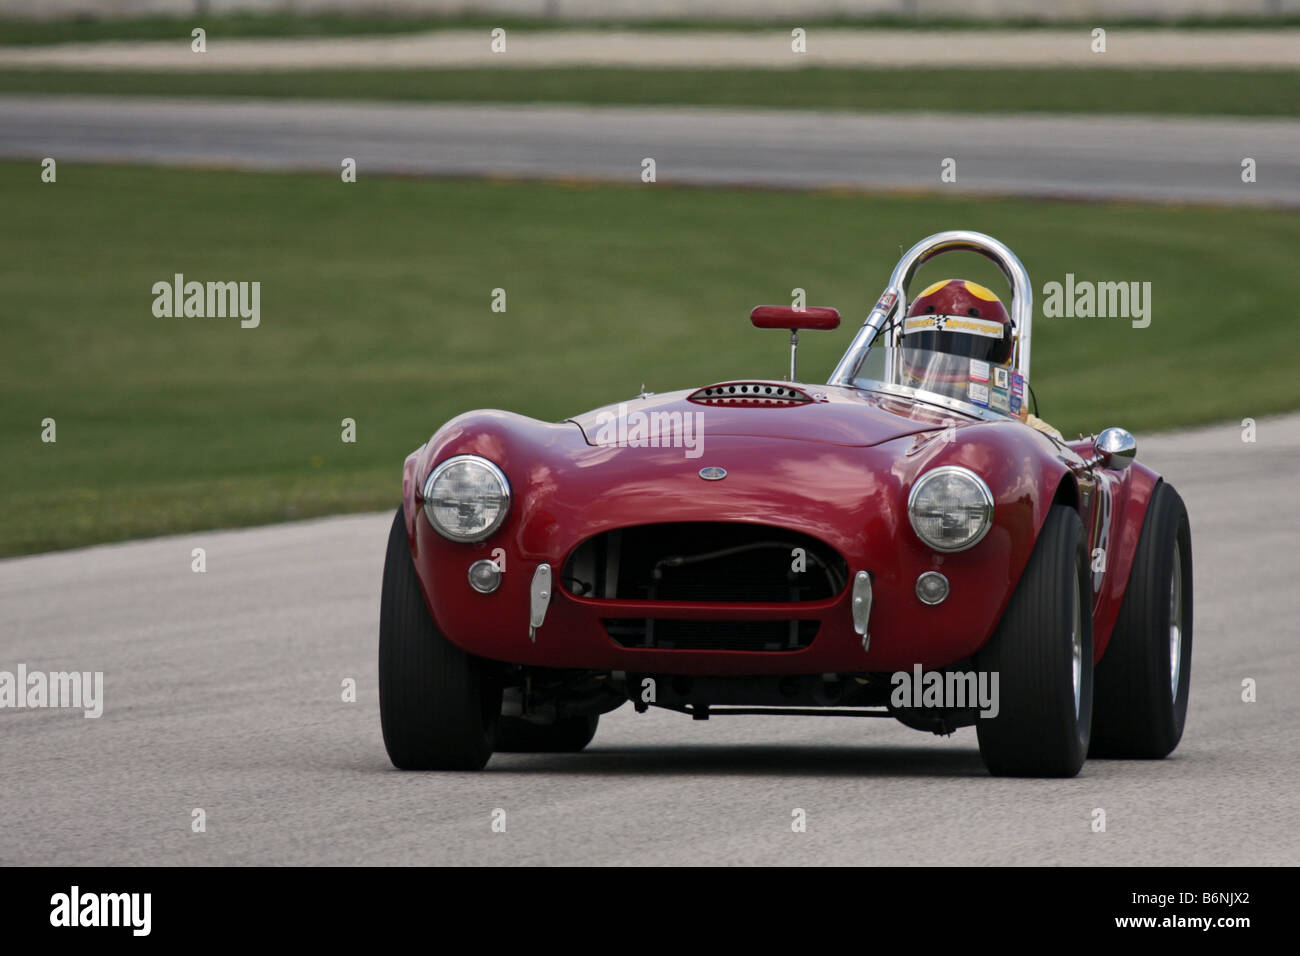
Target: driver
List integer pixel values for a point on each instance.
(958, 340)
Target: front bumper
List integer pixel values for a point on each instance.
(573, 630)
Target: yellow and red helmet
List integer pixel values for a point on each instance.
(960, 317)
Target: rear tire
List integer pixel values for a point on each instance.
(1042, 653)
(1144, 677)
(566, 736)
(438, 706)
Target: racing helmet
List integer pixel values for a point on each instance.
(961, 318)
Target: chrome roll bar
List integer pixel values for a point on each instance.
(893, 301)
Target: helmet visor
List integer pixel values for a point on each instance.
(965, 336)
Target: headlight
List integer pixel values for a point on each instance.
(950, 508)
(466, 498)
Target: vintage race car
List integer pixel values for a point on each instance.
(897, 542)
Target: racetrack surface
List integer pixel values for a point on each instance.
(223, 692)
(1092, 157)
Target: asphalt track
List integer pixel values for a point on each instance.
(223, 692)
(1089, 157)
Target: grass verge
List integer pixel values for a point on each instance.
(1172, 92)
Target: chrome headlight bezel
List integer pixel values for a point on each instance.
(977, 484)
(427, 495)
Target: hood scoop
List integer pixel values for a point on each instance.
(751, 395)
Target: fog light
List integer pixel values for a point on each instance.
(931, 587)
(484, 576)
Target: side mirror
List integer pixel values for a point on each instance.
(788, 317)
(1115, 448)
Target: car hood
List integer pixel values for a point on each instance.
(765, 409)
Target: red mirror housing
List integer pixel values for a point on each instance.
(787, 317)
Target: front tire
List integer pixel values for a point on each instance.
(1144, 677)
(1042, 653)
(438, 706)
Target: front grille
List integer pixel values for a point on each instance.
(705, 562)
(674, 634)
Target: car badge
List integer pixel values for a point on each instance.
(713, 473)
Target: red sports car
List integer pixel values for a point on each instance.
(903, 541)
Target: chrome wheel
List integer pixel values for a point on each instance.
(1176, 623)
(1076, 641)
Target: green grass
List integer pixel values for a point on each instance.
(1222, 92)
(375, 306)
(15, 30)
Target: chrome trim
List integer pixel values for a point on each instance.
(862, 607)
(893, 301)
(1114, 448)
(1176, 623)
(425, 495)
(885, 308)
(947, 587)
(539, 599)
(761, 391)
(979, 483)
(496, 582)
(1076, 646)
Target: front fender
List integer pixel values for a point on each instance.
(1024, 470)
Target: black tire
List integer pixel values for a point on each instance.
(1139, 713)
(1040, 730)
(566, 736)
(438, 706)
